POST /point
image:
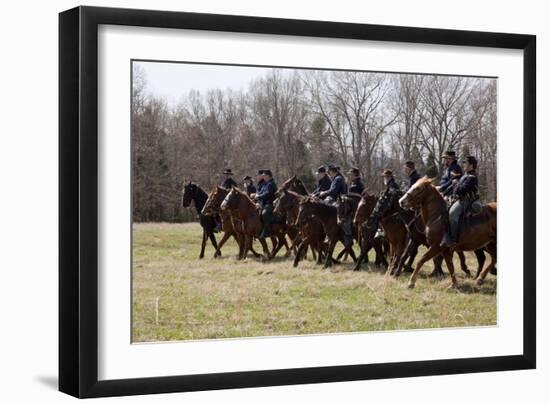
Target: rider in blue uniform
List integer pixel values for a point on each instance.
(452, 172)
(265, 197)
(465, 191)
(391, 187)
(356, 185)
(323, 179)
(337, 187)
(411, 173)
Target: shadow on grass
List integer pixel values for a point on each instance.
(472, 288)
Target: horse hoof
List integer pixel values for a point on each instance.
(479, 281)
(452, 286)
(468, 274)
(436, 274)
(410, 285)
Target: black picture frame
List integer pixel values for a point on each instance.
(78, 201)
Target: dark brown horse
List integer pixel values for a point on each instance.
(309, 234)
(479, 231)
(388, 214)
(193, 193)
(243, 208)
(327, 215)
(361, 208)
(212, 208)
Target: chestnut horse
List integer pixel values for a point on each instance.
(478, 232)
(193, 192)
(243, 208)
(362, 213)
(310, 234)
(327, 215)
(212, 208)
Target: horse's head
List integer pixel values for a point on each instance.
(387, 204)
(287, 184)
(189, 192)
(305, 211)
(415, 196)
(214, 200)
(284, 202)
(231, 200)
(364, 208)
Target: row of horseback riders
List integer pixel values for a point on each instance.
(458, 185)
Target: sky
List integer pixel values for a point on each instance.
(172, 81)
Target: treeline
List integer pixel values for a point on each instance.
(291, 121)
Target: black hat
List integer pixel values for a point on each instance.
(332, 168)
(268, 172)
(260, 172)
(248, 177)
(471, 160)
(449, 154)
(228, 171)
(387, 173)
(409, 164)
(321, 170)
(354, 170)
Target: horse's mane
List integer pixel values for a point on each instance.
(425, 180)
(296, 194)
(244, 195)
(322, 206)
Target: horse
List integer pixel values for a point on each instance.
(212, 208)
(480, 230)
(388, 214)
(327, 215)
(310, 234)
(362, 213)
(193, 192)
(243, 208)
(346, 206)
(293, 184)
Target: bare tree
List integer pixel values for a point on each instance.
(352, 105)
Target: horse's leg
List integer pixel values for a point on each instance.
(406, 253)
(203, 244)
(301, 248)
(280, 243)
(247, 245)
(328, 260)
(463, 265)
(225, 237)
(363, 251)
(253, 251)
(292, 247)
(492, 250)
(438, 268)
(352, 254)
(340, 254)
(428, 255)
(448, 256)
(213, 241)
(313, 253)
(265, 248)
(480, 255)
(389, 269)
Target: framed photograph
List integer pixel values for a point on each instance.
(250, 201)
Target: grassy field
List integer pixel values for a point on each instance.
(176, 296)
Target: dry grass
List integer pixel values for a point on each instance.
(222, 298)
